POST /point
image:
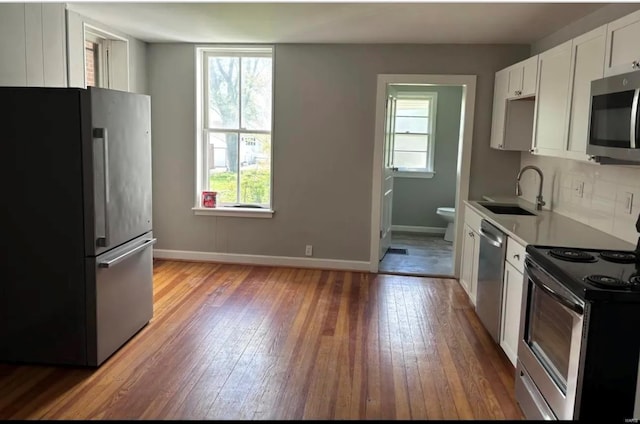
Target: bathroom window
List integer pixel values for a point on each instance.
(413, 133)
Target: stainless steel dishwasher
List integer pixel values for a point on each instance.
(493, 246)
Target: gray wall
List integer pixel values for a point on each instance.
(323, 145)
(601, 16)
(415, 200)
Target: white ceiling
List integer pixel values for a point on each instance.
(335, 22)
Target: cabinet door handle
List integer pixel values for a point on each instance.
(516, 257)
(500, 146)
(471, 234)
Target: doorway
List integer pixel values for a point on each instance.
(406, 158)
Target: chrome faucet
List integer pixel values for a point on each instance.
(539, 202)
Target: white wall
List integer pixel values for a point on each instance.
(33, 45)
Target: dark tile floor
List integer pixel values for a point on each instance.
(427, 254)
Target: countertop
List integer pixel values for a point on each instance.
(547, 228)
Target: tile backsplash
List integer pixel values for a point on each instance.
(605, 197)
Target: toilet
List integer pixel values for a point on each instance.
(449, 215)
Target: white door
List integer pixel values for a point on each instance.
(387, 177)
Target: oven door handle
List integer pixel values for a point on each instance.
(556, 296)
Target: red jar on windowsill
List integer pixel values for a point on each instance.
(209, 199)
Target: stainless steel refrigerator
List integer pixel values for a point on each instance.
(76, 242)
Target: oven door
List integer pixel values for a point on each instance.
(551, 329)
(613, 122)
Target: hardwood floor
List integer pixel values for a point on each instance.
(254, 342)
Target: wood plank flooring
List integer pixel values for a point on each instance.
(252, 342)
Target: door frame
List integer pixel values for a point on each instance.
(468, 83)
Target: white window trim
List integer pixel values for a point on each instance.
(201, 116)
(93, 33)
(413, 174)
(429, 170)
(102, 63)
(235, 212)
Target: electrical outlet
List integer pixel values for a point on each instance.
(628, 202)
(308, 250)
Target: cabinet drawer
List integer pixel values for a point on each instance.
(515, 254)
(472, 219)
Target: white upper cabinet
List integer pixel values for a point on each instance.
(587, 64)
(513, 105)
(522, 78)
(555, 121)
(552, 101)
(469, 267)
(500, 87)
(33, 45)
(623, 45)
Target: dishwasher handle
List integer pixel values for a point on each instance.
(493, 239)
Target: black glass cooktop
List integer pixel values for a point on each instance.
(591, 274)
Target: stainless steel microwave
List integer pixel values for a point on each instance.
(614, 125)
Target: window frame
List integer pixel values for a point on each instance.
(101, 61)
(113, 58)
(203, 130)
(429, 170)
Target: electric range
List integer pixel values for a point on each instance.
(579, 342)
(592, 274)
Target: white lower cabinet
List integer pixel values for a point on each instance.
(469, 265)
(470, 253)
(510, 321)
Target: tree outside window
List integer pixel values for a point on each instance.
(237, 120)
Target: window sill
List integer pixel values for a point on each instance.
(413, 174)
(235, 212)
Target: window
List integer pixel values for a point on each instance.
(93, 62)
(105, 60)
(413, 132)
(235, 119)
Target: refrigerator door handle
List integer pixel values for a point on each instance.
(101, 133)
(117, 259)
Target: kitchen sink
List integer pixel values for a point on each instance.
(507, 209)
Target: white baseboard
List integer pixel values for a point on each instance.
(287, 261)
(418, 229)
